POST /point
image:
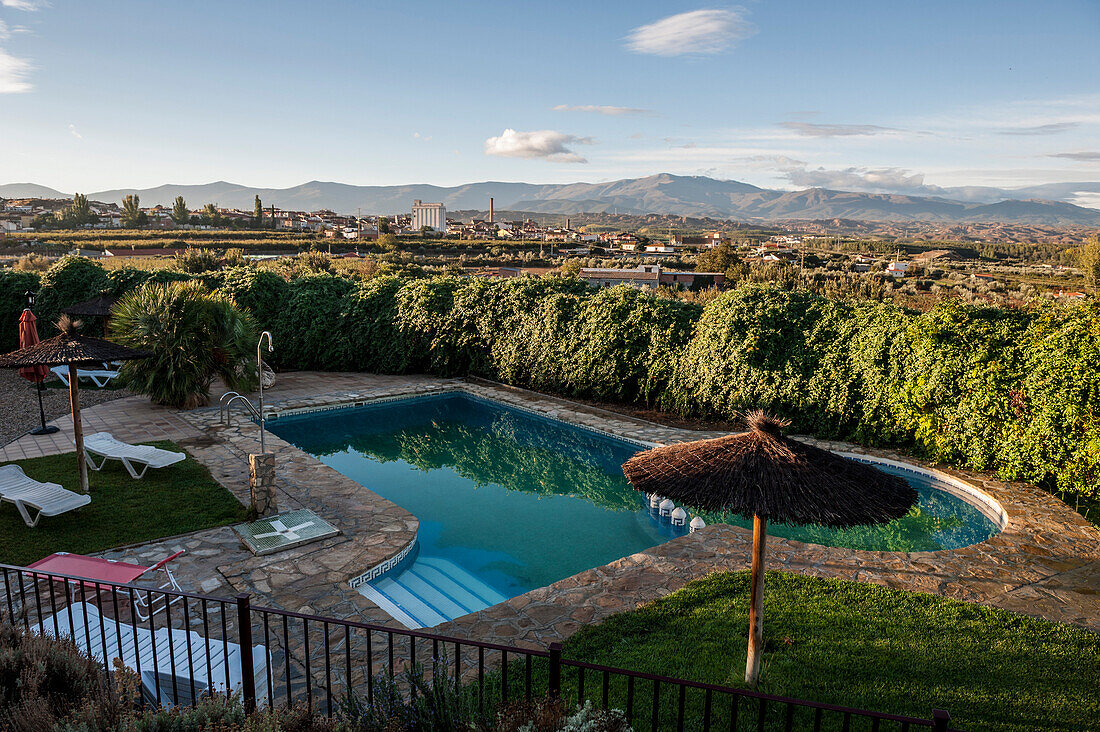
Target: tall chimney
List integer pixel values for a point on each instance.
(567, 227)
(490, 209)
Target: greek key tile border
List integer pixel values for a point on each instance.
(380, 569)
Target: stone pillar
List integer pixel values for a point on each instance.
(261, 482)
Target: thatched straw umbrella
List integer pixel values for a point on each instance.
(762, 474)
(98, 307)
(71, 349)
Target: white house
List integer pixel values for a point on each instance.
(897, 269)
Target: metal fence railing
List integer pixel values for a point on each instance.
(197, 644)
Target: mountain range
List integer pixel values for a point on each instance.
(662, 193)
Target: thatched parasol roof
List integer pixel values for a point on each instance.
(98, 306)
(761, 472)
(70, 347)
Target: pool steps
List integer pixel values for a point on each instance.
(430, 591)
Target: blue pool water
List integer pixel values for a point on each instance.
(509, 501)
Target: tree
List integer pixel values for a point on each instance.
(180, 213)
(719, 259)
(193, 335)
(80, 211)
(572, 267)
(258, 213)
(211, 216)
(383, 225)
(132, 215)
(1089, 260)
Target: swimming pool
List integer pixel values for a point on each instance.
(509, 501)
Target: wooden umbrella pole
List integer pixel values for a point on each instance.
(756, 600)
(78, 429)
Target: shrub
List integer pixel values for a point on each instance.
(195, 261)
(306, 263)
(308, 322)
(234, 257)
(371, 339)
(71, 280)
(32, 263)
(164, 276)
(43, 679)
(260, 292)
(193, 336)
(127, 279)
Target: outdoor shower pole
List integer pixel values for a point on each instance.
(260, 374)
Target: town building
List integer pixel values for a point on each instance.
(432, 215)
(897, 270)
(650, 275)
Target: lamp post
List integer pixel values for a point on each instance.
(45, 429)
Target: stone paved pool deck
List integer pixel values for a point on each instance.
(1046, 561)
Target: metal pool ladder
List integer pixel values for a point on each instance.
(226, 400)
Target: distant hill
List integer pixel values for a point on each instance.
(29, 190)
(663, 193)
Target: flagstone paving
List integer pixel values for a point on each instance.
(1045, 562)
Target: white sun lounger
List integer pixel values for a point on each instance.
(49, 499)
(99, 377)
(180, 653)
(104, 445)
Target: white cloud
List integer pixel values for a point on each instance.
(1080, 157)
(879, 180)
(778, 162)
(28, 5)
(74, 133)
(811, 129)
(546, 144)
(1052, 128)
(418, 136)
(695, 32)
(13, 74)
(601, 109)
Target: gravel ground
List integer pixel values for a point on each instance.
(19, 405)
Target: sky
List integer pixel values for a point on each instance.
(850, 94)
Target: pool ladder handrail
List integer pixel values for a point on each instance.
(225, 416)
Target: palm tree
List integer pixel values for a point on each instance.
(194, 335)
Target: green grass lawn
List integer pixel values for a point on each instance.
(855, 645)
(173, 500)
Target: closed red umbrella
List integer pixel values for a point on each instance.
(28, 336)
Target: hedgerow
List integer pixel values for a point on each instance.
(1016, 392)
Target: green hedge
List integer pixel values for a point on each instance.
(1016, 392)
(1012, 391)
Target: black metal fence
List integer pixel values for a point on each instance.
(193, 645)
